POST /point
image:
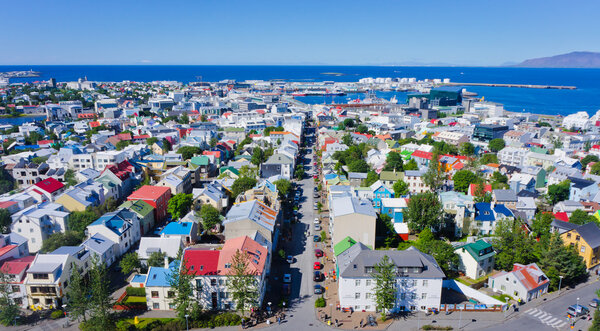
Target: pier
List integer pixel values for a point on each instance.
(554, 87)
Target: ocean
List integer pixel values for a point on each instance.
(541, 101)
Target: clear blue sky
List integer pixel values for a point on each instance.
(375, 32)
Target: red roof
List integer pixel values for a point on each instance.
(94, 124)
(143, 136)
(45, 142)
(6, 204)
(458, 166)
(121, 170)
(7, 248)
(88, 115)
(421, 154)
(14, 267)
(124, 136)
(486, 188)
(149, 192)
(562, 216)
(530, 275)
(216, 154)
(201, 262)
(50, 185)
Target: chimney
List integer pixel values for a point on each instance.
(166, 262)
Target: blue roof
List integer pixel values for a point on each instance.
(178, 228)
(139, 279)
(483, 212)
(70, 250)
(115, 221)
(158, 277)
(501, 209)
(330, 176)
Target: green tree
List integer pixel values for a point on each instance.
(166, 145)
(400, 188)
(361, 128)
(411, 165)
(435, 176)
(496, 145)
(580, 217)
(70, 178)
(589, 159)
(372, 177)
(258, 156)
(358, 166)
(393, 162)
(213, 142)
(150, 141)
(78, 295)
(79, 220)
(9, 310)
(100, 299)
(130, 262)
(467, 149)
(241, 185)
(513, 243)
(180, 279)
(210, 217)
(283, 187)
(559, 192)
(5, 220)
(179, 205)
(59, 239)
(156, 259)
(385, 284)
(347, 140)
(242, 283)
(442, 252)
(488, 158)
(560, 260)
(595, 169)
(424, 211)
(541, 224)
(187, 152)
(462, 179)
(184, 119)
(122, 144)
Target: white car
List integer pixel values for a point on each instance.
(317, 227)
(287, 278)
(317, 221)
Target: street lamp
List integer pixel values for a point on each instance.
(559, 283)
(577, 302)
(186, 322)
(284, 306)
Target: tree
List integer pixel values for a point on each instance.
(560, 260)
(130, 262)
(184, 119)
(541, 224)
(372, 177)
(179, 205)
(9, 310)
(496, 145)
(166, 145)
(70, 178)
(400, 188)
(210, 217)
(283, 187)
(59, 239)
(359, 165)
(462, 179)
(411, 165)
(488, 158)
(100, 299)
(257, 156)
(580, 217)
(424, 211)
(150, 141)
(513, 243)
(122, 144)
(442, 252)
(267, 131)
(589, 159)
(559, 192)
(385, 284)
(187, 152)
(467, 149)
(595, 169)
(156, 259)
(243, 283)
(213, 142)
(241, 185)
(5, 220)
(393, 162)
(180, 279)
(79, 220)
(435, 176)
(347, 140)
(78, 295)
(361, 128)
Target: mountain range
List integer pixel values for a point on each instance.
(569, 60)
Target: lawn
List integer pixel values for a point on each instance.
(132, 299)
(145, 321)
(502, 297)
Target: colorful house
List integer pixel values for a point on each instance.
(156, 196)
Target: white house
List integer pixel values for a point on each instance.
(476, 259)
(525, 282)
(38, 222)
(121, 226)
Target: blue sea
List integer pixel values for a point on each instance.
(541, 101)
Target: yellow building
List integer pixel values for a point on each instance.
(586, 239)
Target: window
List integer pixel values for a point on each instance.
(357, 307)
(368, 295)
(502, 287)
(425, 283)
(48, 301)
(15, 288)
(40, 276)
(368, 281)
(423, 295)
(213, 282)
(516, 293)
(155, 305)
(414, 282)
(357, 282)
(402, 296)
(367, 307)
(577, 238)
(172, 306)
(170, 294)
(154, 294)
(569, 235)
(220, 282)
(357, 295)
(413, 296)
(582, 249)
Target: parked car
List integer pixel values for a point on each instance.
(317, 221)
(316, 238)
(317, 227)
(316, 206)
(317, 266)
(318, 253)
(577, 310)
(318, 276)
(290, 259)
(595, 303)
(287, 278)
(319, 289)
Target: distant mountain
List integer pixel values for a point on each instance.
(569, 60)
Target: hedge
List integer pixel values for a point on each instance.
(56, 314)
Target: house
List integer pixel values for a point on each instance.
(144, 211)
(460, 205)
(244, 218)
(38, 222)
(505, 197)
(352, 217)
(476, 259)
(414, 179)
(389, 178)
(562, 226)
(525, 282)
(121, 226)
(380, 191)
(170, 246)
(418, 279)
(13, 246)
(211, 194)
(187, 232)
(159, 295)
(278, 165)
(28, 173)
(104, 249)
(49, 274)
(178, 179)
(582, 189)
(449, 137)
(567, 207)
(46, 190)
(157, 197)
(14, 272)
(527, 206)
(521, 181)
(81, 196)
(356, 178)
(586, 240)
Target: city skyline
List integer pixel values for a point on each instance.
(308, 33)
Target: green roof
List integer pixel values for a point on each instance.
(202, 160)
(540, 150)
(343, 245)
(232, 169)
(479, 250)
(390, 175)
(234, 130)
(139, 207)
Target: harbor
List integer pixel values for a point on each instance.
(554, 87)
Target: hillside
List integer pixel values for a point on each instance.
(569, 60)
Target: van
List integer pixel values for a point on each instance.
(577, 310)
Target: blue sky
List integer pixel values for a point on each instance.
(294, 32)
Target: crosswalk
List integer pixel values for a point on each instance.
(548, 319)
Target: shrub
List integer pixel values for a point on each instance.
(435, 327)
(174, 325)
(56, 314)
(136, 291)
(124, 326)
(320, 302)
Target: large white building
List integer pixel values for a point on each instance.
(418, 279)
(38, 222)
(577, 121)
(513, 156)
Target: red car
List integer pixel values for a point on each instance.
(317, 266)
(318, 253)
(315, 176)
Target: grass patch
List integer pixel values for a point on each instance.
(132, 299)
(502, 297)
(145, 321)
(463, 281)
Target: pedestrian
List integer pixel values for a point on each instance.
(361, 323)
(336, 323)
(278, 320)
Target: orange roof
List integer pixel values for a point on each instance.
(257, 255)
(94, 124)
(526, 274)
(493, 165)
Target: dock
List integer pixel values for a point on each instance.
(553, 87)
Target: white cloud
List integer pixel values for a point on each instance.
(145, 61)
